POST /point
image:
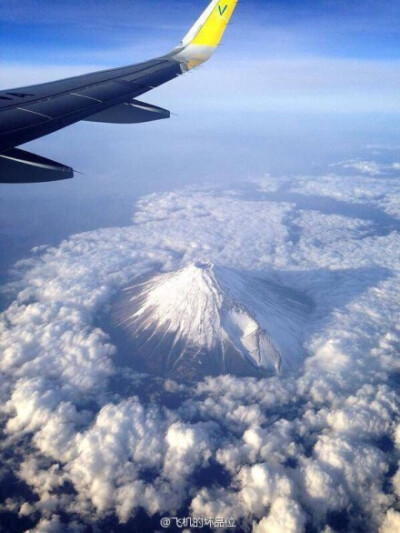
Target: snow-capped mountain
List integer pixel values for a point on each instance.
(205, 319)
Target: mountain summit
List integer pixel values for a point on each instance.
(205, 319)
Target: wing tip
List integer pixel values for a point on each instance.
(205, 35)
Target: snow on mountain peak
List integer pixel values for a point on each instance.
(205, 319)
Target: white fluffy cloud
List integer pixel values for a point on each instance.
(93, 439)
(285, 516)
(370, 168)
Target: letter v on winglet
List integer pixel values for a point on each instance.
(201, 41)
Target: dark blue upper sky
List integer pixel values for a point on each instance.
(41, 30)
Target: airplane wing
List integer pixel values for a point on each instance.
(27, 113)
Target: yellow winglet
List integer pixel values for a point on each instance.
(200, 42)
(211, 31)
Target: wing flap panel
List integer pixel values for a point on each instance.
(19, 166)
(134, 112)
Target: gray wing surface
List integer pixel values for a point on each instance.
(30, 112)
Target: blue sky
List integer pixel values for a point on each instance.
(39, 30)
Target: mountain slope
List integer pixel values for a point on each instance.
(205, 319)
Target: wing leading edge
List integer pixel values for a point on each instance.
(28, 113)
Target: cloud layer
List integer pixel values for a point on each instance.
(90, 439)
